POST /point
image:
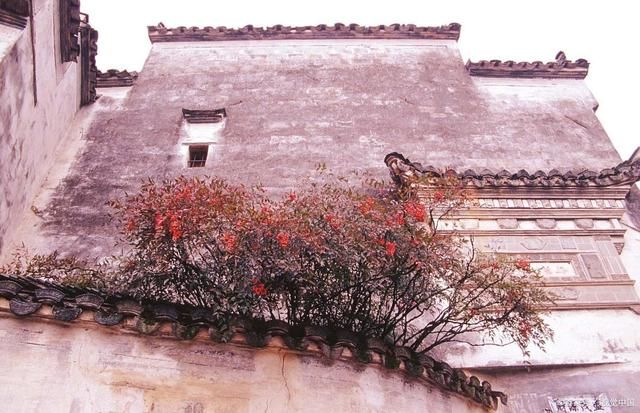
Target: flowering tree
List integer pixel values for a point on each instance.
(373, 261)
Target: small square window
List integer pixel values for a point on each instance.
(198, 155)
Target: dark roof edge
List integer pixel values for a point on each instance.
(26, 297)
(626, 173)
(116, 78)
(561, 68)
(17, 7)
(160, 33)
(9, 17)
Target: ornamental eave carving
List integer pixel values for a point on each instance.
(561, 68)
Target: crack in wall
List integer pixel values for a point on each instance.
(286, 384)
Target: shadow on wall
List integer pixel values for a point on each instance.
(633, 205)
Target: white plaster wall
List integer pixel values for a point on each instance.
(595, 353)
(8, 36)
(581, 337)
(30, 133)
(83, 367)
(631, 253)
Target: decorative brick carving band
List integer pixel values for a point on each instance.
(560, 69)
(14, 13)
(627, 173)
(116, 78)
(160, 33)
(27, 296)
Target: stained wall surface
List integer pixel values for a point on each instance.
(57, 367)
(293, 105)
(38, 102)
(594, 354)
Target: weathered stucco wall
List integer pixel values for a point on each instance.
(574, 388)
(631, 253)
(30, 132)
(80, 367)
(292, 105)
(594, 352)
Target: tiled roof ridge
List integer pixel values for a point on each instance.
(561, 68)
(27, 295)
(160, 33)
(116, 78)
(626, 173)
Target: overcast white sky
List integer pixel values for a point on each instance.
(604, 33)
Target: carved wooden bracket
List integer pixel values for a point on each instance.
(14, 13)
(88, 70)
(69, 30)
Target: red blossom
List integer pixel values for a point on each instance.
(266, 215)
(390, 248)
(416, 210)
(131, 225)
(229, 241)
(259, 290)
(292, 196)
(258, 287)
(184, 195)
(380, 241)
(175, 227)
(283, 239)
(523, 264)
(333, 222)
(366, 206)
(438, 196)
(159, 223)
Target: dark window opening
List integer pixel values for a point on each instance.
(204, 116)
(197, 155)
